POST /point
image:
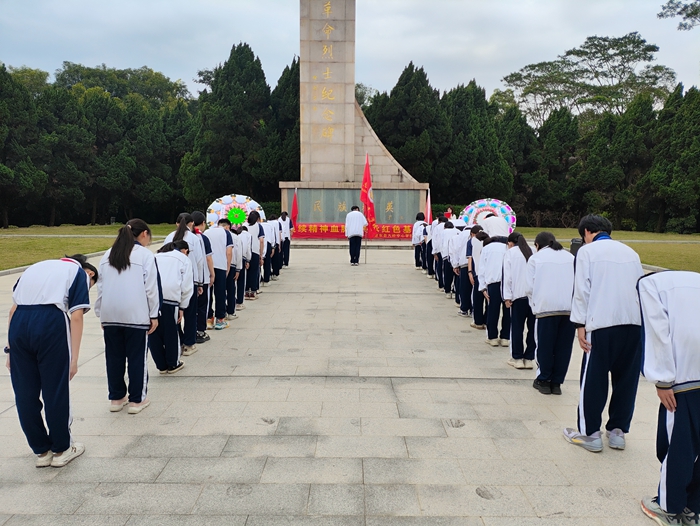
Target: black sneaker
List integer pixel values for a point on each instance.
(690, 517)
(175, 369)
(543, 387)
(202, 337)
(556, 389)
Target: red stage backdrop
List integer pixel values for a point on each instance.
(337, 231)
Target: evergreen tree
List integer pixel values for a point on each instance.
(19, 177)
(232, 120)
(64, 151)
(475, 160)
(414, 128)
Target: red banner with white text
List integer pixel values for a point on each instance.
(337, 231)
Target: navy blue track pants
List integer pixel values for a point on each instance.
(40, 364)
(521, 317)
(126, 345)
(493, 313)
(554, 342)
(615, 351)
(164, 343)
(231, 291)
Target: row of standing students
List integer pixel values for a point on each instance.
(601, 299)
(142, 301)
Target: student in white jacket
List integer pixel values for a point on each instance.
(460, 262)
(418, 236)
(671, 360)
(235, 271)
(437, 231)
(550, 284)
(605, 309)
(128, 303)
(515, 298)
(490, 275)
(198, 259)
(246, 253)
(474, 248)
(448, 274)
(177, 284)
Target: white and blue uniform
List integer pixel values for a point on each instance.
(514, 288)
(474, 248)
(236, 267)
(355, 222)
(437, 230)
(490, 276)
(246, 255)
(221, 242)
(126, 303)
(418, 236)
(287, 227)
(252, 276)
(550, 285)
(606, 303)
(177, 284)
(448, 274)
(671, 360)
(40, 349)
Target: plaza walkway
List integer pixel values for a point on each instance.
(344, 396)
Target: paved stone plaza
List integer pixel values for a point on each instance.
(343, 396)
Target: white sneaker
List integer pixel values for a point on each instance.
(424, 271)
(514, 363)
(505, 343)
(591, 443)
(73, 452)
(135, 409)
(494, 343)
(117, 405)
(189, 350)
(44, 461)
(231, 316)
(616, 439)
(527, 364)
(240, 306)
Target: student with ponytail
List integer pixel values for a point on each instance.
(184, 232)
(550, 285)
(515, 298)
(128, 304)
(490, 277)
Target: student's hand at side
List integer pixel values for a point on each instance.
(200, 291)
(436, 258)
(508, 303)
(7, 362)
(456, 271)
(247, 266)
(154, 326)
(236, 276)
(211, 280)
(471, 278)
(582, 341)
(73, 369)
(180, 315)
(668, 399)
(486, 295)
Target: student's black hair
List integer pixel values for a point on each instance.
(175, 245)
(442, 219)
(490, 215)
(476, 229)
(242, 228)
(198, 217)
(273, 217)
(547, 239)
(224, 221)
(120, 254)
(420, 216)
(518, 239)
(253, 217)
(183, 220)
(355, 207)
(448, 224)
(82, 259)
(482, 236)
(284, 213)
(495, 239)
(594, 224)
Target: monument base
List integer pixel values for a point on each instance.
(323, 206)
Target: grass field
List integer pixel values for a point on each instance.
(19, 248)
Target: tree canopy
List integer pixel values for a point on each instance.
(687, 10)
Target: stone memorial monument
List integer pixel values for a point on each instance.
(336, 136)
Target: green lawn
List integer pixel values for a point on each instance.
(97, 230)
(19, 252)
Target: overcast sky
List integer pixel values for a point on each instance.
(455, 40)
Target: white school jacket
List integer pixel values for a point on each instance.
(605, 285)
(246, 245)
(514, 274)
(446, 236)
(437, 235)
(197, 256)
(287, 227)
(176, 279)
(495, 226)
(256, 232)
(457, 249)
(237, 256)
(491, 264)
(129, 298)
(477, 247)
(355, 222)
(671, 339)
(550, 282)
(418, 235)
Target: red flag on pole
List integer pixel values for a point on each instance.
(367, 198)
(428, 210)
(295, 209)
